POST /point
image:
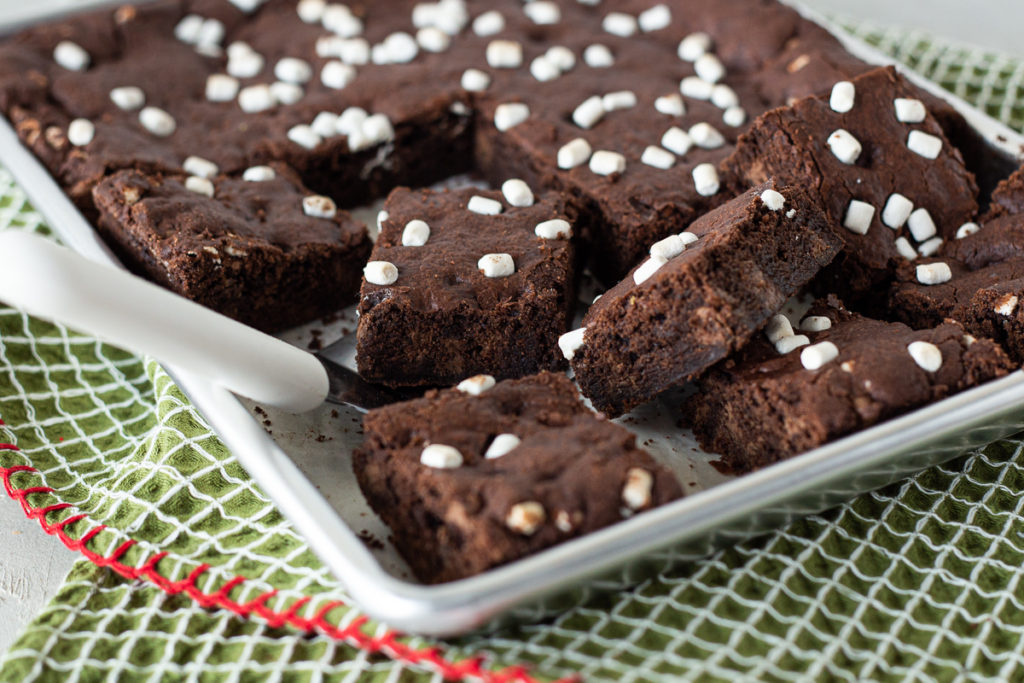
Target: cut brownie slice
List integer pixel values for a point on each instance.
(259, 248)
(841, 372)
(876, 160)
(474, 281)
(688, 307)
(468, 481)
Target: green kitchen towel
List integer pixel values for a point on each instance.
(188, 571)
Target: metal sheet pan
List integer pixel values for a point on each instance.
(332, 513)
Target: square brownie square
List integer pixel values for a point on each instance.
(482, 281)
(468, 481)
(699, 296)
(838, 373)
(258, 247)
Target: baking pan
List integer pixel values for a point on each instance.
(332, 514)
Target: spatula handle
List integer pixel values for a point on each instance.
(52, 282)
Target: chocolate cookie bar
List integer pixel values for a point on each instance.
(466, 282)
(258, 247)
(839, 372)
(878, 162)
(477, 476)
(699, 296)
(1008, 197)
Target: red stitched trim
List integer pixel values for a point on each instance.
(386, 643)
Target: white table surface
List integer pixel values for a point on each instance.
(33, 564)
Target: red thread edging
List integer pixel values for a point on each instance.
(352, 634)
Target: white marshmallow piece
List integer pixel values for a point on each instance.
(293, 70)
(621, 99)
(221, 88)
(554, 229)
(562, 57)
(525, 518)
(286, 93)
(705, 179)
(245, 65)
(905, 249)
(814, 357)
(930, 247)
(927, 356)
(311, 11)
(605, 162)
(496, 265)
(925, 144)
(571, 342)
(709, 68)
(921, 225)
(542, 12)
(199, 166)
(696, 87)
(842, 97)
(81, 132)
(967, 229)
(668, 248)
(476, 385)
(677, 140)
(648, 268)
(636, 493)
(909, 110)
(706, 136)
(256, 98)
(502, 445)
(598, 56)
(846, 147)
(336, 74)
(510, 115)
(258, 174)
(543, 69)
(589, 112)
(187, 30)
(791, 343)
(304, 136)
(816, 323)
(325, 124)
(71, 56)
(897, 210)
(475, 80)
(504, 54)
(773, 200)
(658, 157)
(484, 205)
(340, 20)
(573, 153)
(319, 206)
(157, 121)
(933, 273)
(380, 273)
(433, 39)
(128, 97)
(693, 46)
(724, 97)
(355, 51)
(619, 24)
(1006, 305)
(489, 23)
(199, 185)
(670, 105)
(778, 328)
(441, 457)
(655, 18)
(415, 234)
(858, 216)
(351, 121)
(734, 117)
(517, 192)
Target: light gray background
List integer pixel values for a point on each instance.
(32, 564)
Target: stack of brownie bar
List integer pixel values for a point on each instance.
(706, 161)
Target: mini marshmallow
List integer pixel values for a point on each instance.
(561, 56)
(842, 97)
(484, 205)
(734, 117)
(374, 130)
(433, 39)
(380, 273)
(504, 54)
(544, 70)
(967, 229)
(724, 97)
(921, 225)
(605, 162)
(439, 456)
(489, 23)
(340, 20)
(619, 24)
(293, 70)
(199, 166)
(925, 144)
(589, 112)
(337, 74)
(931, 247)
(71, 56)
(245, 65)
(858, 216)
(350, 121)
(709, 68)
(773, 200)
(636, 493)
(382, 216)
(199, 185)
(670, 105)
(573, 153)
(496, 265)
(791, 343)
(210, 33)
(622, 99)
(355, 51)
(571, 342)
(319, 206)
(705, 179)
(668, 248)
(398, 48)
(598, 56)
(415, 234)
(693, 46)
(510, 115)
(905, 249)
(325, 124)
(815, 323)
(286, 93)
(502, 445)
(554, 229)
(256, 98)
(654, 19)
(221, 88)
(648, 268)
(476, 385)
(81, 132)
(778, 327)
(696, 87)
(897, 210)
(927, 356)
(157, 121)
(475, 80)
(909, 110)
(259, 174)
(517, 193)
(657, 157)
(677, 140)
(706, 136)
(817, 355)
(542, 12)
(688, 237)
(1006, 305)
(933, 273)
(844, 146)
(525, 518)
(311, 11)
(187, 30)
(304, 136)
(128, 98)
